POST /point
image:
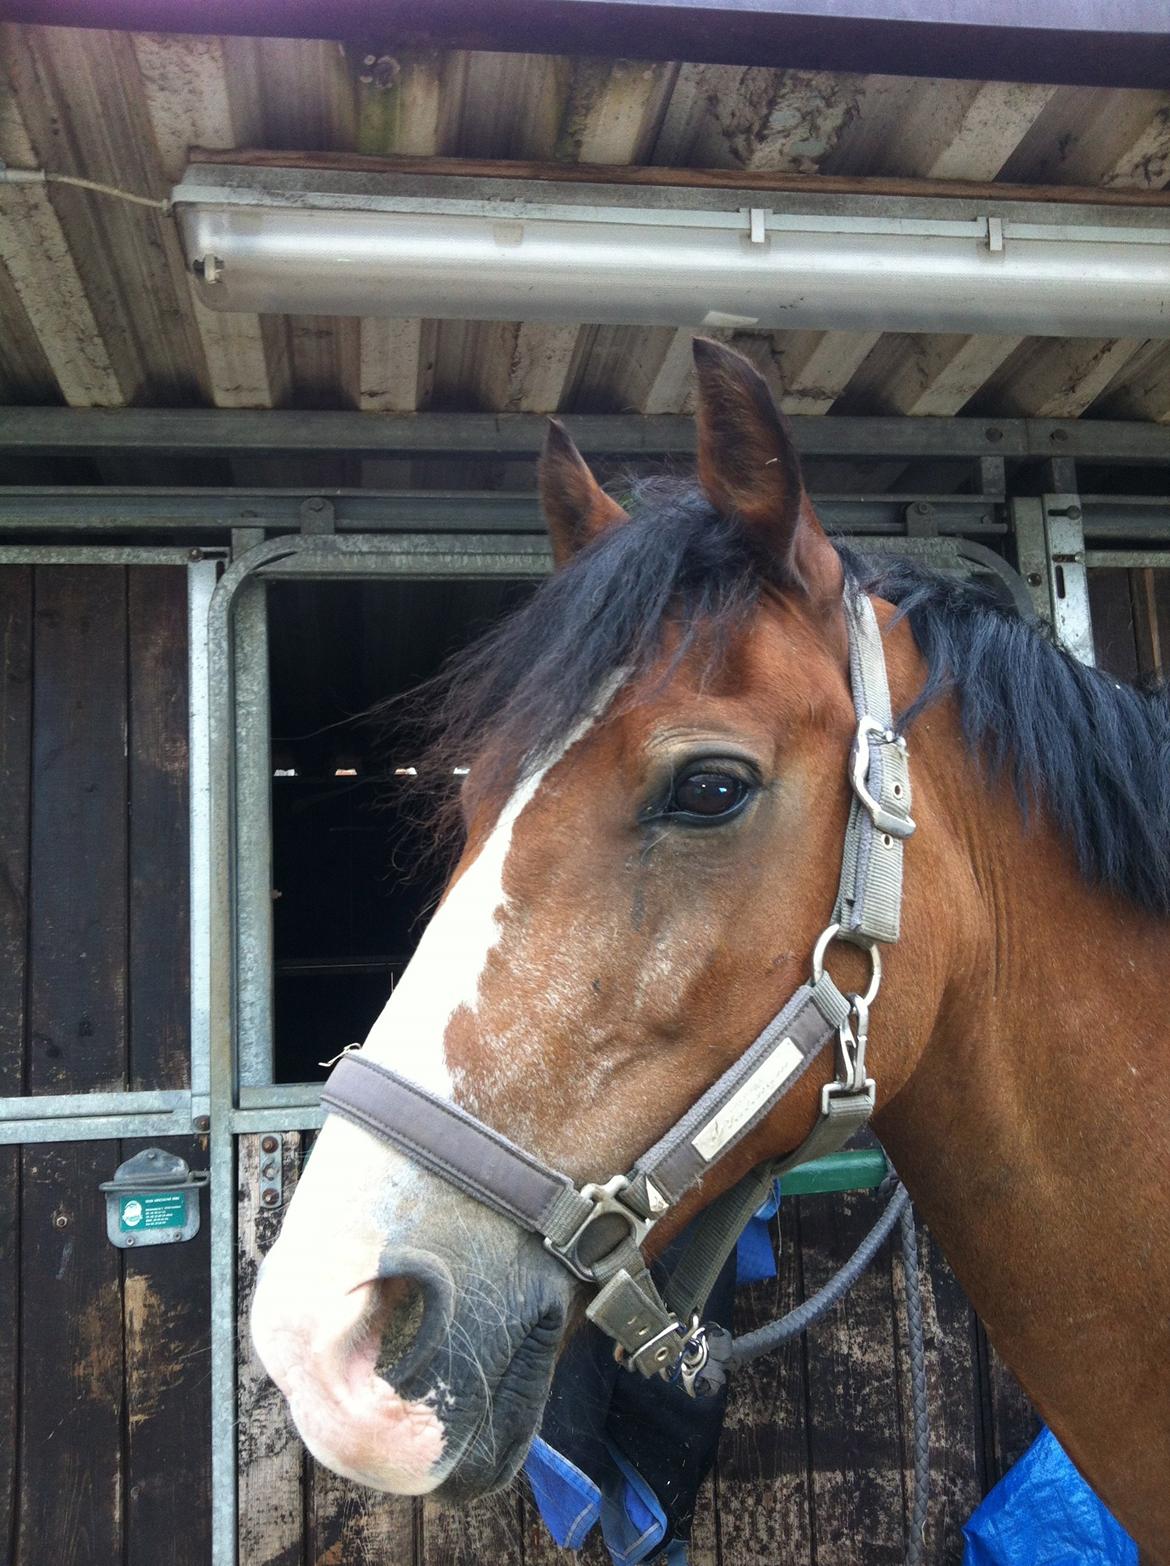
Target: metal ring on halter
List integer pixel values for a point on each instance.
(833, 933)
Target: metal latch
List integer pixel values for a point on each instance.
(153, 1199)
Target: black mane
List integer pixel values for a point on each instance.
(1093, 753)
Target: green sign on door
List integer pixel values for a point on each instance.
(153, 1199)
(152, 1210)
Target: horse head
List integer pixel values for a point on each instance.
(654, 809)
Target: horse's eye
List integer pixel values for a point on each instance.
(708, 795)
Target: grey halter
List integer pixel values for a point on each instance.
(597, 1230)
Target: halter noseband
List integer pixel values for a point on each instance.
(597, 1230)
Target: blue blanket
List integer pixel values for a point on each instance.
(1042, 1513)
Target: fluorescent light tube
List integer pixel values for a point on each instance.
(293, 242)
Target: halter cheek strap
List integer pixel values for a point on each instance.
(597, 1230)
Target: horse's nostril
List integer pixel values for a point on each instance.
(415, 1308)
(400, 1309)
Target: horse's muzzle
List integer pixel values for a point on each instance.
(427, 1378)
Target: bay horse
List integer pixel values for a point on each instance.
(653, 815)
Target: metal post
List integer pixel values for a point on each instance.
(1031, 537)
(201, 577)
(222, 734)
(254, 995)
(1069, 580)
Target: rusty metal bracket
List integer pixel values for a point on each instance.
(271, 1171)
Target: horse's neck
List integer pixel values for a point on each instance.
(1034, 1136)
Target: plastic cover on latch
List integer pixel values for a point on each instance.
(1042, 1513)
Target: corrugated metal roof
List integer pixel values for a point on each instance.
(96, 309)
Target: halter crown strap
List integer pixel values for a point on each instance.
(869, 896)
(597, 1230)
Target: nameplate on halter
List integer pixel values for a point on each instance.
(746, 1100)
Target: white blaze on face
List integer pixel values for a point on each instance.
(444, 973)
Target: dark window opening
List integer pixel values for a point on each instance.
(352, 876)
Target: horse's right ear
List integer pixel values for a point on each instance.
(576, 508)
(748, 469)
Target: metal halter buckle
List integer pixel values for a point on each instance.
(884, 820)
(606, 1200)
(693, 1359)
(677, 1354)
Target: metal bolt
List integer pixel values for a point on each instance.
(203, 1122)
(923, 508)
(152, 1154)
(268, 1144)
(1059, 436)
(316, 504)
(1034, 579)
(130, 1240)
(60, 1221)
(195, 554)
(993, 434)
(270, 1198)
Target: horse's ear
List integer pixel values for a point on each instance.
(748, 468)
(576, 508)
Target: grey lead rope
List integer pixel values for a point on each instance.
(754, 1344)
(920, 1413)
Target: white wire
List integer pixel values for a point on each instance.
(44, 177)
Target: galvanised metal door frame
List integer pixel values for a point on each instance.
(72, 1117)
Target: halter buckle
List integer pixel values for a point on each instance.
(606, 1200)
(693, 1357)
(859, 765)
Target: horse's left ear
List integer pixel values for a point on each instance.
(576, 508)
(748, 468)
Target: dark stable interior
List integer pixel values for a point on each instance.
(354, 874)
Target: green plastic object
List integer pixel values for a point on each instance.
(857, 1171)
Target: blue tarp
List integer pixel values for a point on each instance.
(1042, 1513)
